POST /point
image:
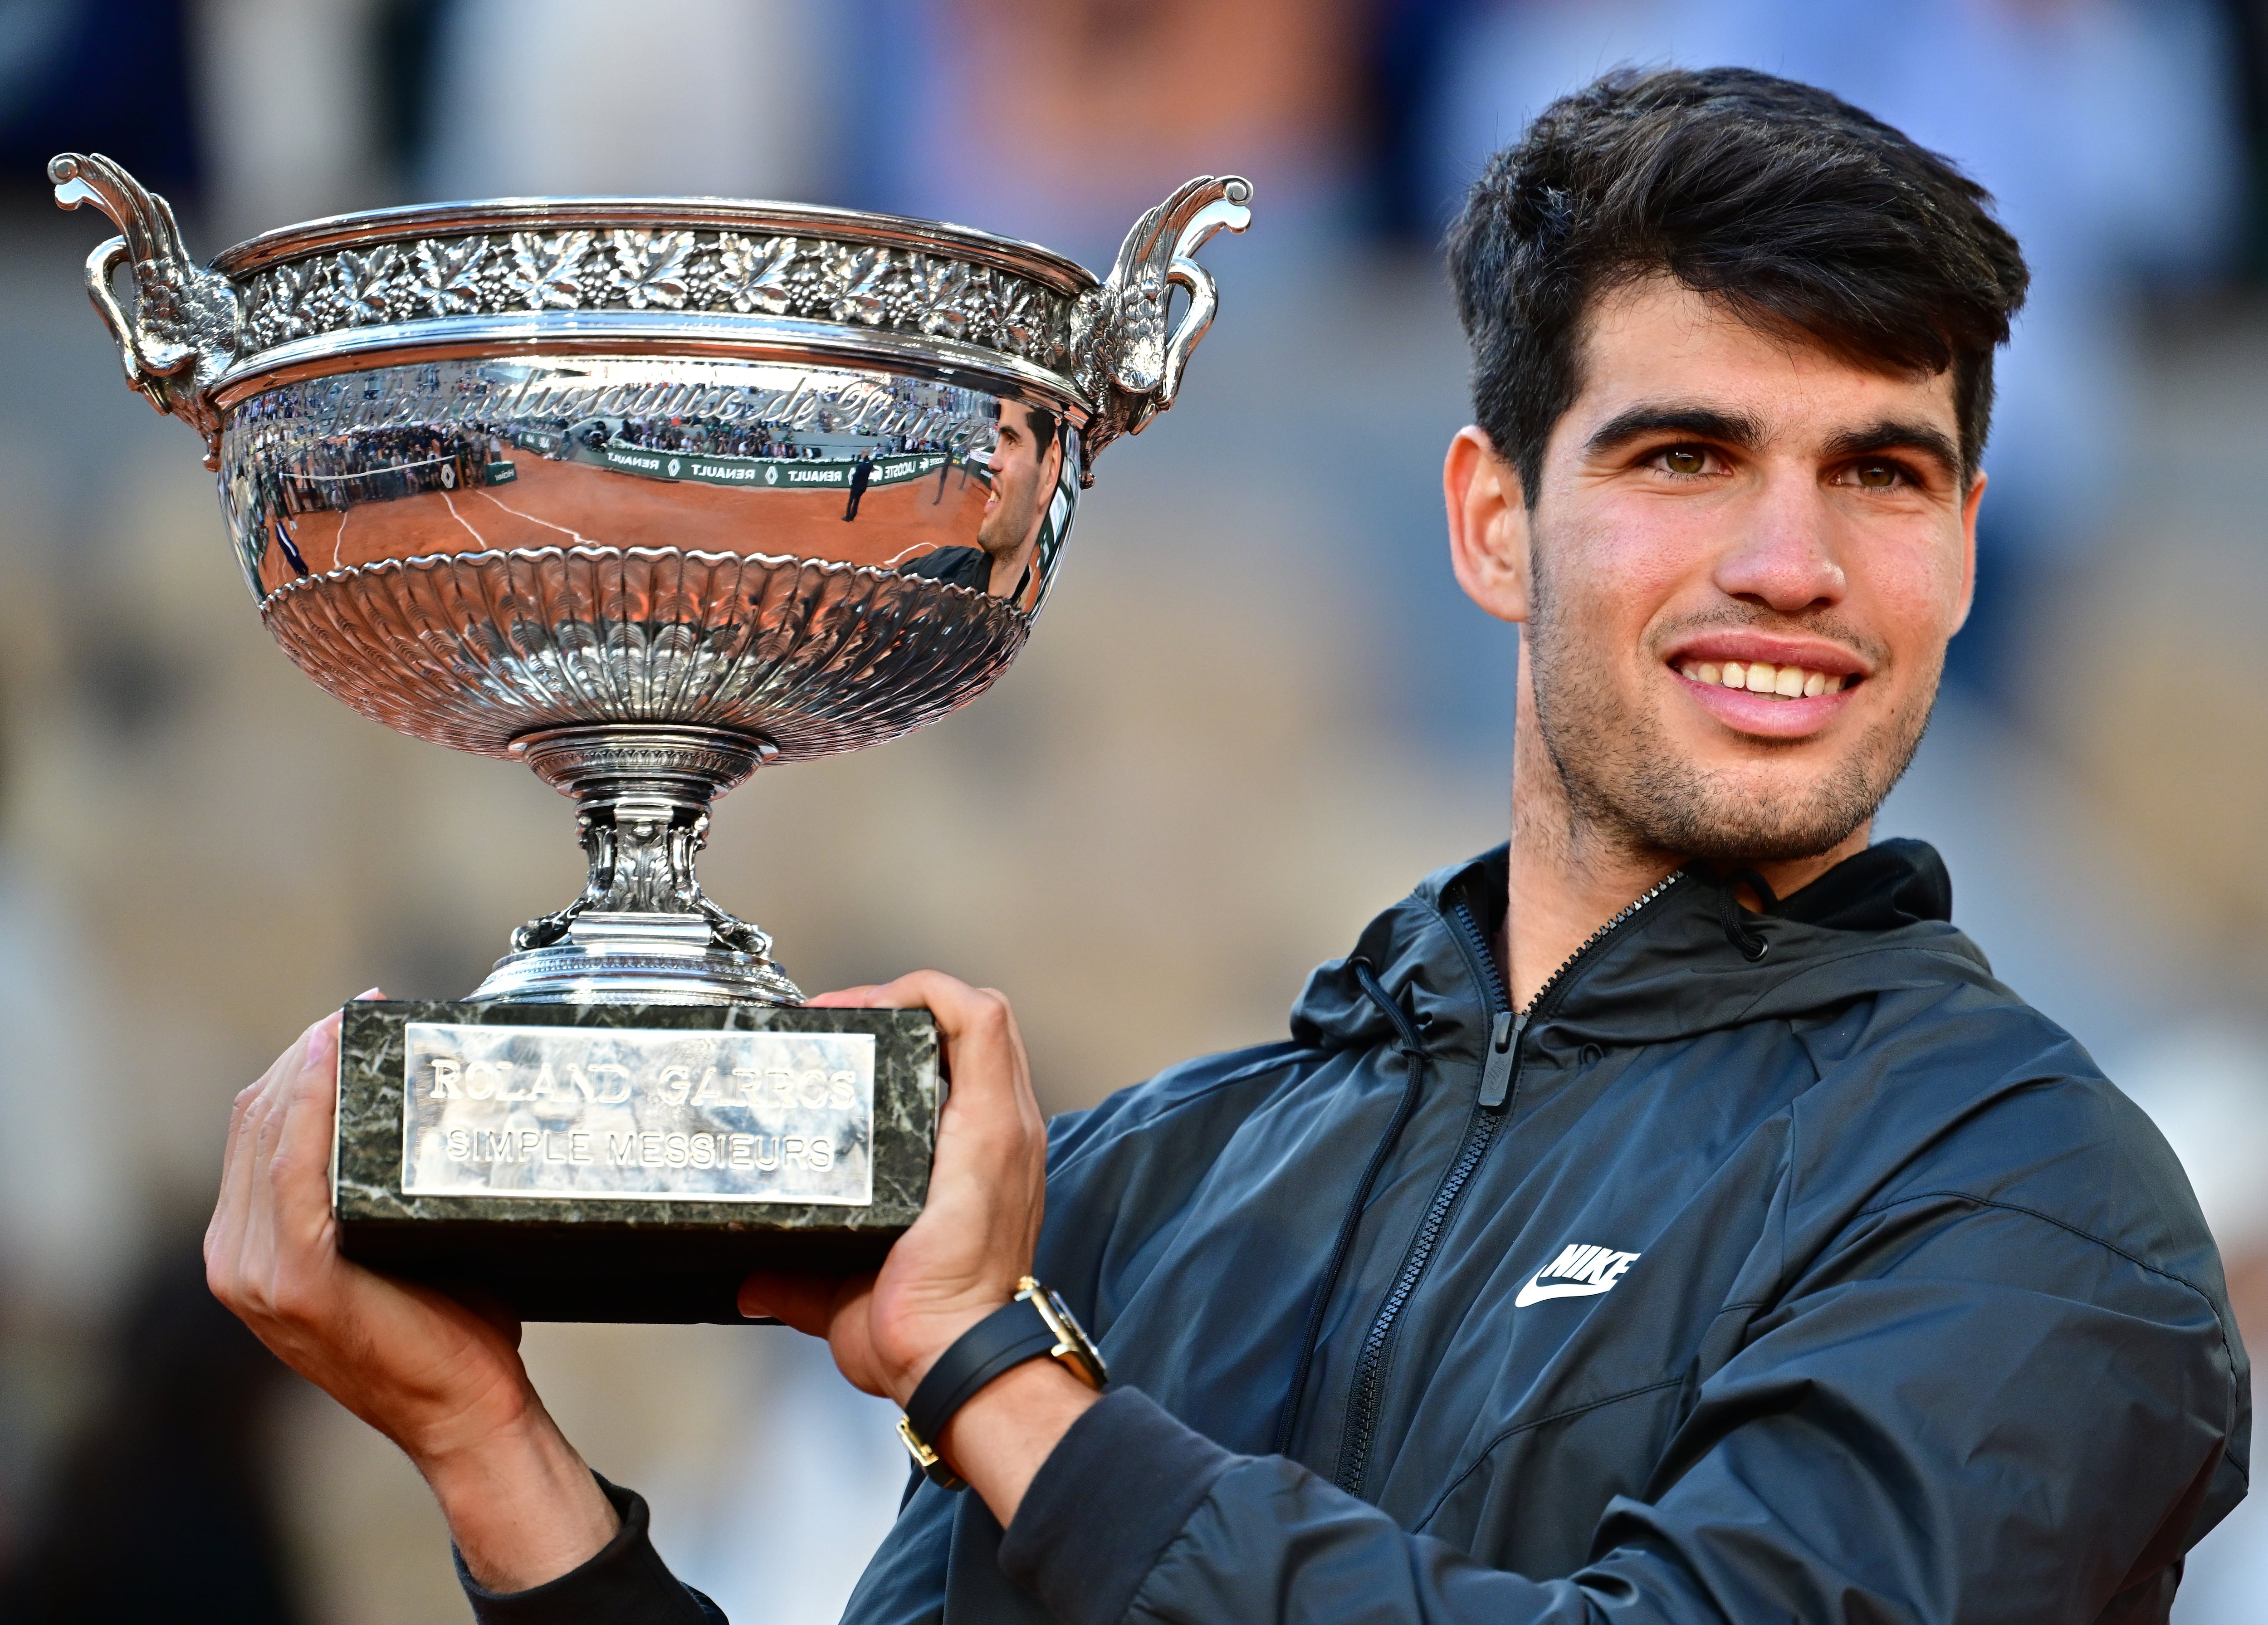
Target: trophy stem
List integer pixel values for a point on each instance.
(642, 931)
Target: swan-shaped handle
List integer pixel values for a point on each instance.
(1121, 355)
(184, 330)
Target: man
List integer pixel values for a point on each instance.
(1665, 1217)
(1026, 461)
(862, 474)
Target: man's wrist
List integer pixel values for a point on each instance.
(522, 1505)
(1000, 1438)
(1035, 1323)
(940, 1329)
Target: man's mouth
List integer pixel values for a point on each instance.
(1763, 677)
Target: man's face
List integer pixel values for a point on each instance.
(1744, 562)
(1012, 512)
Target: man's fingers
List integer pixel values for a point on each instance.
(991, 1096)
(232, 1212)
(991, 1136)
(299, 1167)
(287, 1195)
(851, 998)
(979, 1016)
(946, 997)
(235, 1168)
(259, 1118)
(983, 1049)
(794, 1298)
(986, 1193)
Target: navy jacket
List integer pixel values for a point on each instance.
(1768, 1268)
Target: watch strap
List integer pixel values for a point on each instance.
(1004, 1338)
(1035, 1323)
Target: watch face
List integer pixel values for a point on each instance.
(1078, 1349)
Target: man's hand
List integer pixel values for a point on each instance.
(440, 1380)
(960, 1259)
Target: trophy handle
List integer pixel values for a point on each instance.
(185, 326)
(1121, 355)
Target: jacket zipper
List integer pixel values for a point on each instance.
(1499, 1079)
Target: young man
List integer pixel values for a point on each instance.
(1665, 1217)
(1026, 461)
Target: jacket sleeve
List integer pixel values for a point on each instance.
(625, 1583)
(1980, 1415)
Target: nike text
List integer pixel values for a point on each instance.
(1580, 1271)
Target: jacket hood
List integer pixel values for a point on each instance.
(1880, 919)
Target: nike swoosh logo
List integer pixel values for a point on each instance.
(1533, 1293)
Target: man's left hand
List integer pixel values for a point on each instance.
(960, 1259)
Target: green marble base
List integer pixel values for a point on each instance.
(591, 1162)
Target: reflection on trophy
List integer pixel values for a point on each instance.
(646, 494)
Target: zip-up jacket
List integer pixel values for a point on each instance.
(1778, 1267)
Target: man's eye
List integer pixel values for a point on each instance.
(1685, 460)
(1879, 476)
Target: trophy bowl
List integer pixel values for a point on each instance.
(649, 492)
(646, 493)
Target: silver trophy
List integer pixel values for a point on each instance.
(646, 493)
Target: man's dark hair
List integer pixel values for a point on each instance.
(1043, 428)
(1791, 206)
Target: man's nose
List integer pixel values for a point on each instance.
(1784, 558)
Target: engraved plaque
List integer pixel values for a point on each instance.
(628, 1162)
(579, 1112)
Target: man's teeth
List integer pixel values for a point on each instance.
(1764, 678)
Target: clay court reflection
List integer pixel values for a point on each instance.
(929, 481)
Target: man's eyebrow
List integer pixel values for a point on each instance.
(1738, 430)
(1899, 434)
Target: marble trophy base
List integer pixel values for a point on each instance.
(628, 1162)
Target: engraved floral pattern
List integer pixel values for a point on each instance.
(895, 289)
(649, 268)
(275, 306)
(936, 295)
(1029, 324)
(548, 270)
(371, 287)
(753, 276)
(449, 276)
(857, 269)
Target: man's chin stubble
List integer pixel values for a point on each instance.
(1640, 796)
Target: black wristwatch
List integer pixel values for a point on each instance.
(1035, 1323)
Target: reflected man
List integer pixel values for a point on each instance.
(1026, 461)
(862, 473)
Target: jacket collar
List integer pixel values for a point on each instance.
(1877, 920)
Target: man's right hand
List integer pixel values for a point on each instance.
(441, 1380)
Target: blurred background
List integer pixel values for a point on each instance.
(200, 851)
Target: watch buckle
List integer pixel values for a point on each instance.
(932, 1465)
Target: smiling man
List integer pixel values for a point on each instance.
(1026, 461)
(1665, 1217)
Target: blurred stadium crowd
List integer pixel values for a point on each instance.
(1257, 711)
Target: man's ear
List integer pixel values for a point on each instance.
(1488, 525)
(1968, 550)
